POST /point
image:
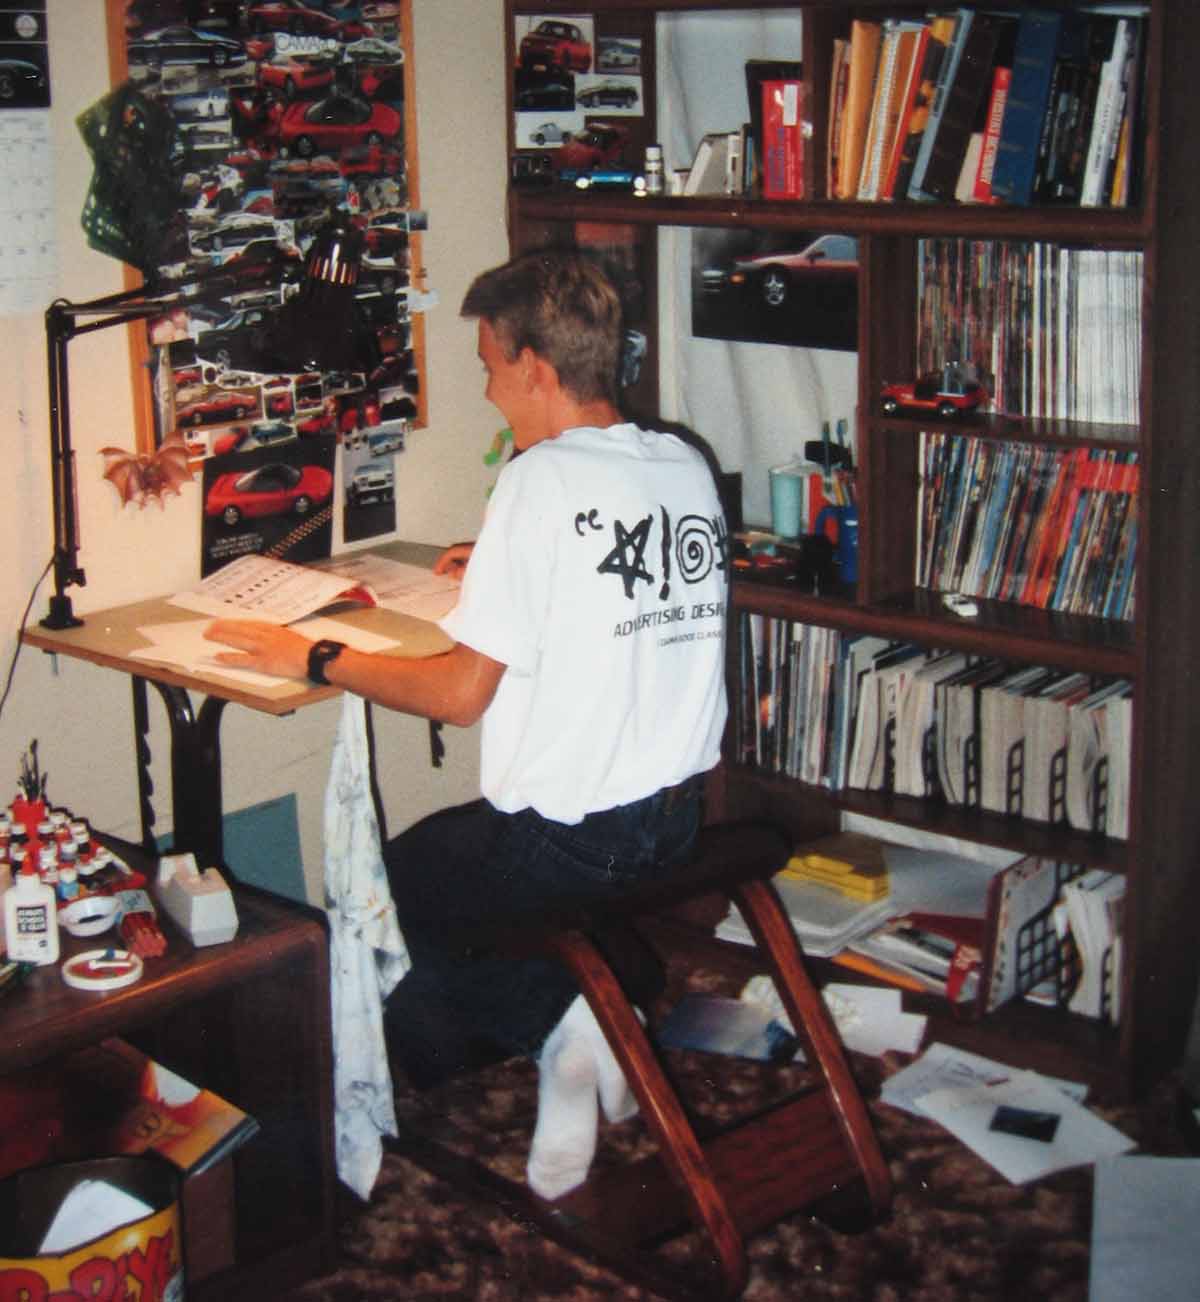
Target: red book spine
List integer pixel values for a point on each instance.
(783, 140)
(1001, 80)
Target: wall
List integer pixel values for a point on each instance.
(80, 713)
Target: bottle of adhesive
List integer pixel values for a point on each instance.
(31, 919)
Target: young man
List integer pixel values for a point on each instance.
(589, 637)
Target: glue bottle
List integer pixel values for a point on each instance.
(30, 919)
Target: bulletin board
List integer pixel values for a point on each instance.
(283, 115)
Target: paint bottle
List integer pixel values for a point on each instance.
(30, 919)
(652, 168)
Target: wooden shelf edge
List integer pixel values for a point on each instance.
(1002, 629)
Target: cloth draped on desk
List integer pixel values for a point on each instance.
(368, 955)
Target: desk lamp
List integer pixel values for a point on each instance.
(320, 328)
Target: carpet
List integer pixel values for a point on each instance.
(957, 1230)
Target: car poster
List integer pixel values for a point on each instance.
(564, 75)
(776, 287)
(24, 56)
(270, 501)
(286, 112)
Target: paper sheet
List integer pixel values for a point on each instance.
(943, 1067)
(408, 589)
(182, 645)
(1079, 1136)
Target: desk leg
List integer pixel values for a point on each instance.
(196, 802)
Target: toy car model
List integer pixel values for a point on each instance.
(555, 44)
(340, 120)
(617, 93)
(273, 489)
(948, 392)
(182, 44)
(302, 20)
(599, 145)
(776, 276)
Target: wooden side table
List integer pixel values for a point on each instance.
(250, 1020)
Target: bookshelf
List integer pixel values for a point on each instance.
(1154, 650)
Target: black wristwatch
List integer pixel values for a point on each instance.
(319, 655)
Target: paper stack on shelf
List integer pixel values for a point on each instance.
(1093, 905)
(824, 920)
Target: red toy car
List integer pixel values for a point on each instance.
(273, 489)
(599, 145)
(953, 390)
(555, 44)
(332, 123)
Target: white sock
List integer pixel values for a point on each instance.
(575, 1068)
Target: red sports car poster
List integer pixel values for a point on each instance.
(286, 113)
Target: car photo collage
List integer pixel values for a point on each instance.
(571, 89)
(287, 114)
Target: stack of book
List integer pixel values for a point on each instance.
(1053, 332)
(1047, 527)
(842, 710)
(974, 106)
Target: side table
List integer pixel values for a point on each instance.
(249, 1019)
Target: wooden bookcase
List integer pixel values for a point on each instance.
(1162, 919)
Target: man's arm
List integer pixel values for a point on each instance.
(454, 687)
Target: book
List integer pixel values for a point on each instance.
(758, 71)
(1106, 120)
(963, 97)
(709, 172)
(110, 1099)
(960, 21)
(910, 79)
(719, 1024)
(1029, 97)
(893, 74)
(839, 73)
(865, 40)
(982, 188)
(279, 592)
(939, 33)
(782, 140)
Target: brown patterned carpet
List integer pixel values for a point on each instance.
(957, 1230)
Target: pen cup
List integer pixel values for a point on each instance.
(786, 501)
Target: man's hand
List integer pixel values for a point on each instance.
(268, 648)
(453, 561)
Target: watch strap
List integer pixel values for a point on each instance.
(319, 655)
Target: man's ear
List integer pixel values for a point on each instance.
(539, 374)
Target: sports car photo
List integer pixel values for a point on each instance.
(302, 20)
(335, 122)
(186, 45)
(273, 489)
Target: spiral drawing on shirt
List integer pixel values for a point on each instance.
(695, 548)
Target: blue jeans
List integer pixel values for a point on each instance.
(472, 867)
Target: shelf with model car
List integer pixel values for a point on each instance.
(1152, 650)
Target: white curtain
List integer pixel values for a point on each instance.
(756, 404)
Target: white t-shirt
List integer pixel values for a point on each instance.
(599, 579)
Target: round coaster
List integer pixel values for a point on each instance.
(102, 969)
